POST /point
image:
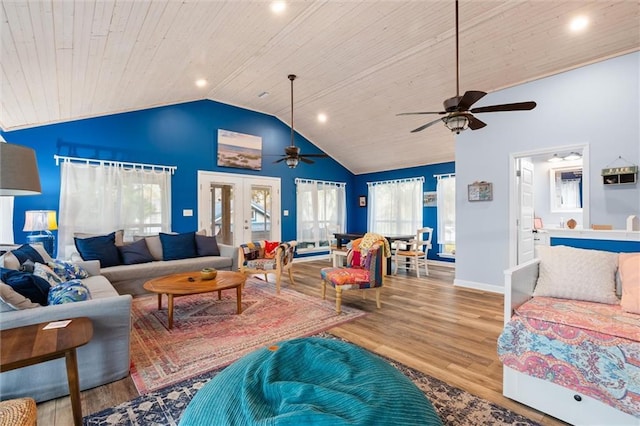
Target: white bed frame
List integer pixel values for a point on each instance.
(555, 400)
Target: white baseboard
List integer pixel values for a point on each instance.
(479, 286)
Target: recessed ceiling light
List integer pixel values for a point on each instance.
(579, 23)
(322, 117)
(278, 6)
(201, 82)
(263, 95)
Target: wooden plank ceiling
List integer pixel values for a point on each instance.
(359, 62)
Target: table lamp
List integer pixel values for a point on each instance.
(40, 223)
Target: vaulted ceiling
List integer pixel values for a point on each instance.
(358, 62)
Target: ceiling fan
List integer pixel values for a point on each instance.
(457, 115)
(292, 154)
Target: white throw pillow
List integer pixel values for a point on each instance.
(573, 273)
(12, 300)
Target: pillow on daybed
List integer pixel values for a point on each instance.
(580, 274)
(630, 277)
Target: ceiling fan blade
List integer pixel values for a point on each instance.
(519, 106)
(305, 160)
(421, 128)
(423, 112)
(474, 123)
(469, 98)
(280, 160)
(314, 155)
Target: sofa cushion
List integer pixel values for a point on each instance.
(153, 244)
(579, 274)
(67, 270)
(118, 235)
(102, 248)
(178, 246)
(207, 246)
(26, 252)
(630, 277)
(136, 252)
(270, 249)
(68, 292)
(46, 273)
(11, 300)
(34, 288)
(150, 270)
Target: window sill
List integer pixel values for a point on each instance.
(447, 255)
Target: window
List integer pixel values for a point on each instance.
(395, 207)
(321, 211)
(446, 200)
(566, 189)
(6, 222)
(104, 197)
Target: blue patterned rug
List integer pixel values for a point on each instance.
(165, 406)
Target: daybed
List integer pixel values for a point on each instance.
(154, 256)
(104, 359)
(570, 347)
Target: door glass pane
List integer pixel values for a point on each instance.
(260, 213)
(222, 197)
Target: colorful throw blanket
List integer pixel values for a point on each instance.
(370, 239)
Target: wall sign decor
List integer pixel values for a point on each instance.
(362, 201)
(239, 150)
(480, 191)
(430, 198)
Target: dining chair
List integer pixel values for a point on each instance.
(412, 255)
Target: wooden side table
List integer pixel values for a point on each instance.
(32, 344)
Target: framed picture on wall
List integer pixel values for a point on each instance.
(362, 201)
(430, 198)
(239, 150)
(480, 191)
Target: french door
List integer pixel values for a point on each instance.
(239, 208)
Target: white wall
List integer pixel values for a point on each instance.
(596, 105)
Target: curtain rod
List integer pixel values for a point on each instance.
(382, 182)
(300, 180)
(89, 161)
(445, 175)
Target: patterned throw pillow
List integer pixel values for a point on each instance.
(67, 270)
(67, 292)
(270, 249)
(45, 272)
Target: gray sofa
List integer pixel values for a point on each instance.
(104, 359)
(129, 279)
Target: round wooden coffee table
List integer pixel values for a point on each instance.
(187, 283)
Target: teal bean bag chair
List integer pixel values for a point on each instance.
(310, 381)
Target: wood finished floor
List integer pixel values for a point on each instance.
(425, 323)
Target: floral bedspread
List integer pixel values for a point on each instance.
(591, 348)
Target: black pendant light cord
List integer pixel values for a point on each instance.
(291, 78)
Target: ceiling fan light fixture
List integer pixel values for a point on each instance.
(292, 162)
(572, 156)
(457, 123)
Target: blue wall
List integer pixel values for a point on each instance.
(429, 214)
(185, 135)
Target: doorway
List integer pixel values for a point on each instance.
(239, 208)
(532, 194)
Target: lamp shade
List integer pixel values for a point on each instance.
(40, 220)
(18, 170)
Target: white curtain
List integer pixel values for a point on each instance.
(446, 203)
(321, 211)
(570, 193)
(6, 220)
(102, 198)
(395, 207)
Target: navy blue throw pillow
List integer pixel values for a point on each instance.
(30, 286)
(207, 246)
(26, 252)
(102, 248)
(178, 246)
(136, 252)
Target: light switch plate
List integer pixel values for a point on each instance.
(187, 212)
(285, 212)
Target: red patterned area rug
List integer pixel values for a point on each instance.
(207, 334)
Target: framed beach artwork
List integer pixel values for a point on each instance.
(430, 199)
(239, 150)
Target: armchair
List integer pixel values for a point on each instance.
(366, 270)
(264, 257)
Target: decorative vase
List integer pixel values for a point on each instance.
(571, 223)
(208, 273)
